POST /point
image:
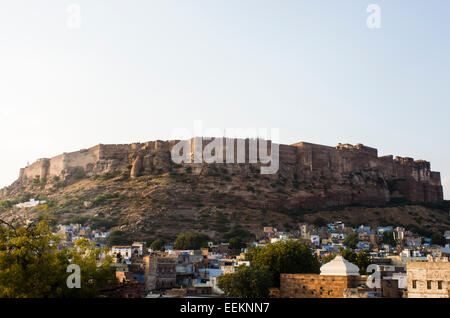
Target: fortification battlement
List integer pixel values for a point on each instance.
(358, 147)
(305, 159)
(353, 167)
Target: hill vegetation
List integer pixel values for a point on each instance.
(218, 204)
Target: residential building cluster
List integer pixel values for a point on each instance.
(404, 264)
(70, 233)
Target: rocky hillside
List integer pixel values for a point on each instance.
(216, 201)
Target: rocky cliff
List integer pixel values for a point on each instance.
(319, 176)
(139, 190)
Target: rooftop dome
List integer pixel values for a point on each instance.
(339, 266)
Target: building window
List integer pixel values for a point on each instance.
(414, 283)
(440, 284)
(428, 284)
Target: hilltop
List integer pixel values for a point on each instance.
(140, 191)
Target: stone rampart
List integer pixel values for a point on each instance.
(379, 179)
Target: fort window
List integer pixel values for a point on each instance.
(414, 283)
(440, 284)
(428, 284)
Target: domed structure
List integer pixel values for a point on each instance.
(339, 266)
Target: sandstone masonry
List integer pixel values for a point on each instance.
(428, 279)
(329, 176)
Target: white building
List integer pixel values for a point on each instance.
(339, 266)
(138, 247)
(101, 235)
(30, 204)
(315, 239)
(123, 251)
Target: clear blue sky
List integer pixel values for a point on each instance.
(136, 70)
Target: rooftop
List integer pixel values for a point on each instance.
(339, 266)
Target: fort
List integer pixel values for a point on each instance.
(340, 175)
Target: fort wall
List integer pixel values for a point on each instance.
(56, 165)
(379, 179)
(35, 170)
(84, 159)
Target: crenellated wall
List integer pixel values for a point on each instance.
(378, 179)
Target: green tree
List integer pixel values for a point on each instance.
(328, 258)
(362, 259)
(191, 241)
(5, 205)
(96, 268)
(388, 238)
(246, 282)
(239, 232)
(319, 222)
(351, 240)
(438, 239)
(32, 266)
(251, 252)
(157, 245)
(236, 243)
(288, 257)
(118, 238)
